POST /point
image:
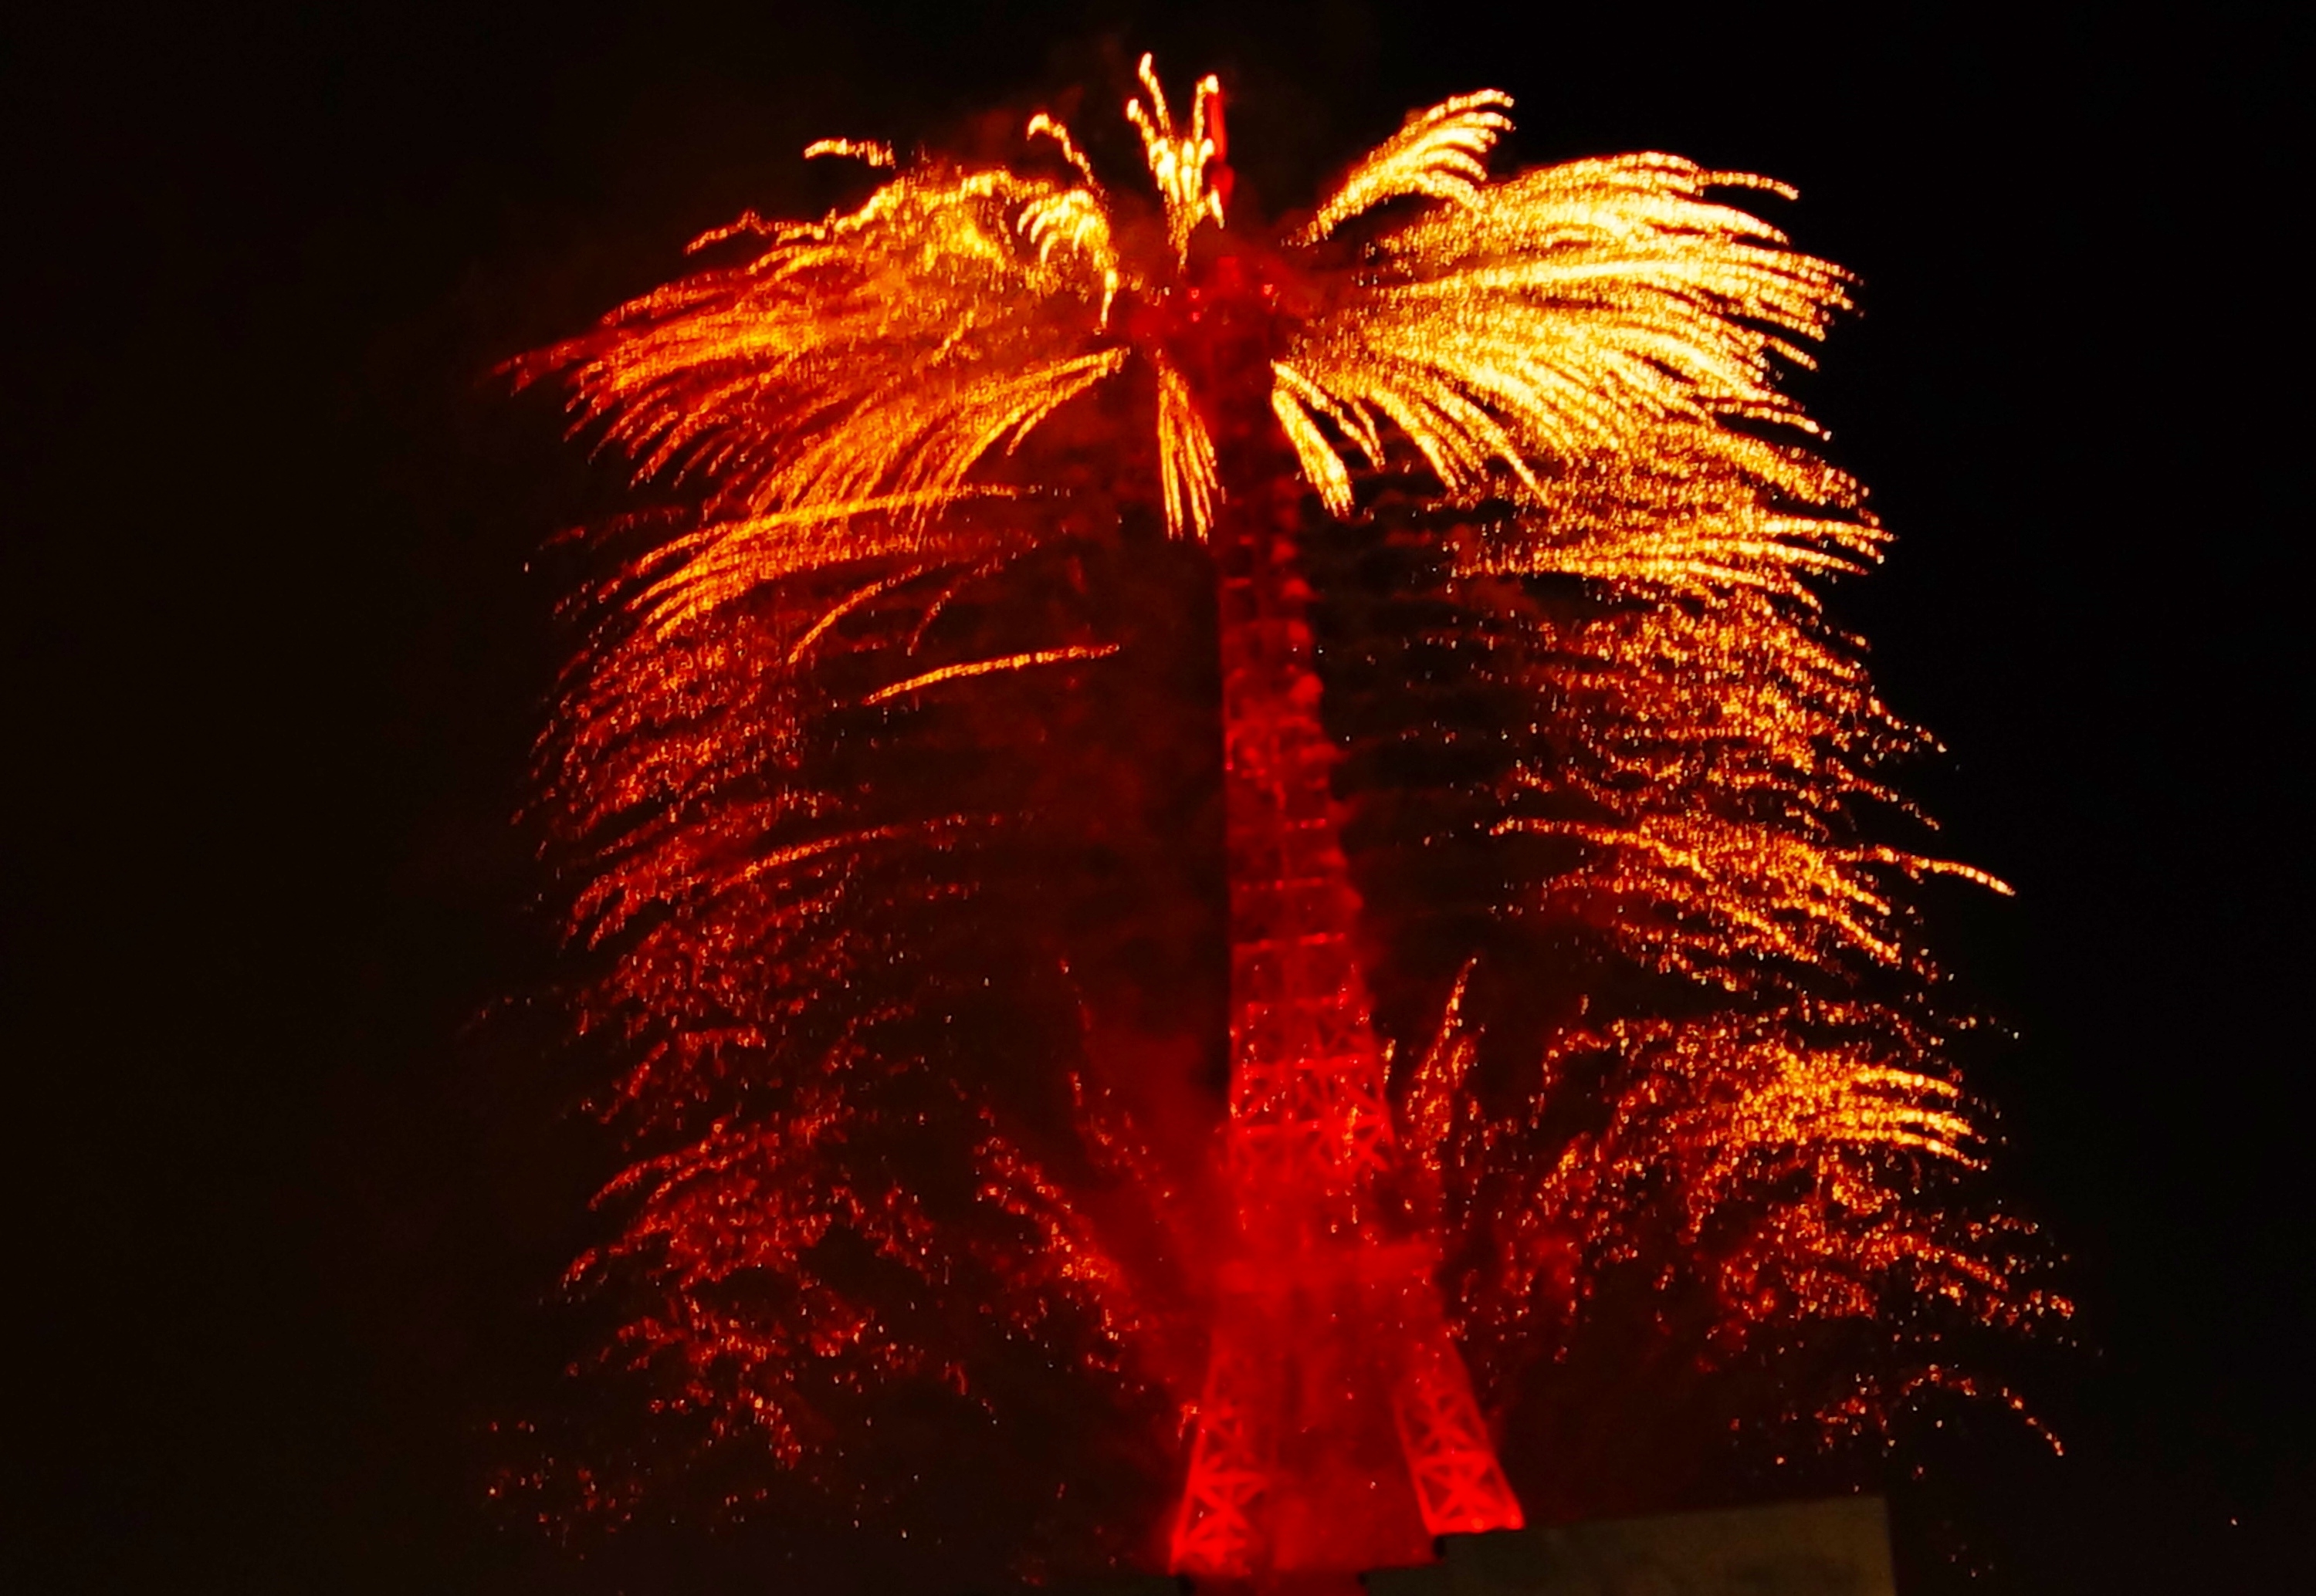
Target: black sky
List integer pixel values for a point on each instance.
(276, 659)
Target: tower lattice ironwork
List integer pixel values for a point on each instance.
(1330, 1361)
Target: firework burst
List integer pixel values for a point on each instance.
(1273, 815)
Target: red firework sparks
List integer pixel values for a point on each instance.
(856, 765)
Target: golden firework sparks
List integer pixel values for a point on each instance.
(1559, 386)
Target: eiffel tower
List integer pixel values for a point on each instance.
(1337, 1428)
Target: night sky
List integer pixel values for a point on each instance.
(291, 1184)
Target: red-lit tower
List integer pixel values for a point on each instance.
(1337, 1428)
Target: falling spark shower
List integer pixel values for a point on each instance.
(1572, 1009)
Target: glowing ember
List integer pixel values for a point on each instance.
(1629, 991)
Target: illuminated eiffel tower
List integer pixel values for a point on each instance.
(1337, 1428)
